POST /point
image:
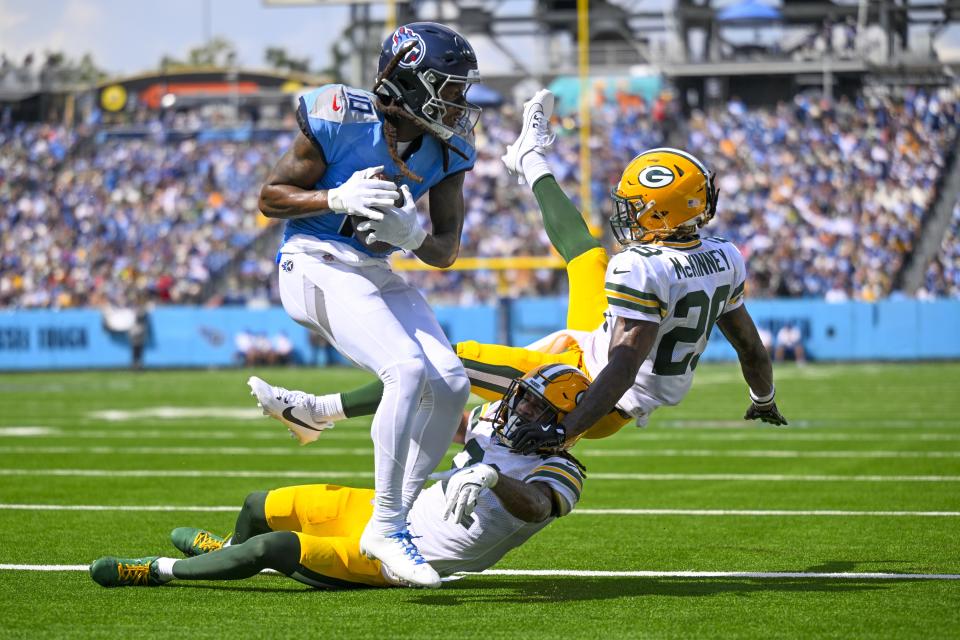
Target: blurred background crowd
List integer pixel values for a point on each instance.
(825, 198)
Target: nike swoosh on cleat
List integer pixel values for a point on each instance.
(288, 414)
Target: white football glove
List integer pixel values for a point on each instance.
(398, 226)
(362, 191)
(464, 487)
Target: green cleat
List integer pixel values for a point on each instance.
(125, 572)
(195, 542)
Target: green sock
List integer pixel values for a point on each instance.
(278, 550)
(562, 220)
(362, 401)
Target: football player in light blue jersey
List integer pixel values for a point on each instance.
(337, 188)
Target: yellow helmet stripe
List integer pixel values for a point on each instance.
(684, 154)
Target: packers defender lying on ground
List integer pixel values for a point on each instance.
(491, 501)
(637, 326)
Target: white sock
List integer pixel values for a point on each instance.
(534, 166)
(165, 569)
(227, 542)
(328, 407)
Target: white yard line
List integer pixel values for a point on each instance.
(316, 476)
(273, 431)
(178, 413)
(320, 475)
(761, 512)
(108, 507)
(758, 453)
(572, 573)
(786, 436)
(366, 451)
(838, 422)
(582, 512)
(190, 451)
(767, 477)
(772, 575)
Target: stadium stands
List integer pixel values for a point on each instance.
(824, 198)
(943, 274)
(87, 223)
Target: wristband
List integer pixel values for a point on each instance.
(765, 399)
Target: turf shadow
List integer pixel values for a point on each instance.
(241, 585)
(536, 590)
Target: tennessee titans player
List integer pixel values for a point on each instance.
(415, 129)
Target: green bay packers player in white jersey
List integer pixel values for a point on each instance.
(637, 323)
(491, 501)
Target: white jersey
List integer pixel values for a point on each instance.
(450, 546)
(684, 287)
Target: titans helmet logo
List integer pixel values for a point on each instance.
(413, 57)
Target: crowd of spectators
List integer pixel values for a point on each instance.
(824, 198)
(943, 274)
(84, 222)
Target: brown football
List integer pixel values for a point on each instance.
(377, 247)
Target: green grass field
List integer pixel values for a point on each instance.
(880, 439)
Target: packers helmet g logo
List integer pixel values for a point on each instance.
(656, 177)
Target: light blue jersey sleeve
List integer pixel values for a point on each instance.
(326, 116)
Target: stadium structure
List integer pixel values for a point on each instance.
(865, 87)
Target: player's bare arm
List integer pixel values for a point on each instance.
(289, 191)
(527, 501)
(440, 248)
(630, 343)
(738, 327)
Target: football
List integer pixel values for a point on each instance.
(377, 247)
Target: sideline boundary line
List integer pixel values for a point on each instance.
(582, 512)
(323, 475)
(571, 573)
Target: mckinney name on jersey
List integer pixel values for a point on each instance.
(682, 286)
(492, 531)
(346, 126)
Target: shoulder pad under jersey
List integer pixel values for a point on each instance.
(341, 104)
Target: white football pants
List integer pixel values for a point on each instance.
(374, 318)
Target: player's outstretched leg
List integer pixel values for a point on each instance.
(304, 414)
(562, 220)
(278, 550)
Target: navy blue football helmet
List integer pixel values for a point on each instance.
(432, 78)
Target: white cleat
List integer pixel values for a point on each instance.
(535, 134)
(292, 408)
(401, 562)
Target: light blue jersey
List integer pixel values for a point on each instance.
(345, 124)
